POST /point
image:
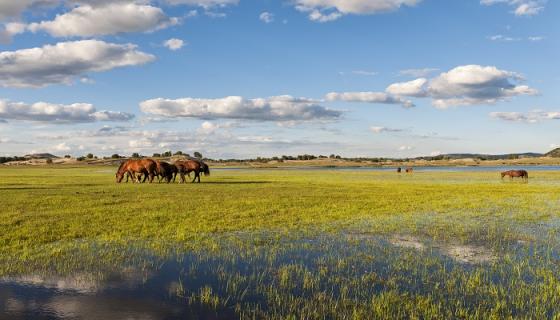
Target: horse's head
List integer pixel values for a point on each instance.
(119, 176)
(503, 174)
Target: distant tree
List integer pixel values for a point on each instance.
(135, 155)
(156, 155)
(115, 156)
(178, 153)
(167, 154)
(89, 156)
(67, 156)
(198, 155)
(81, 158)
(332, 156)
(49, 161)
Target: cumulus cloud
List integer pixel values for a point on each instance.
(279, 108)
(528, 117)
(522, 7)
(414, 88)
(266, 17)
(63, 62)
(474, 84)
(330, 10)
(58, 113)
(119, 17)
(174, 44)
(463, 85)
(369, 97)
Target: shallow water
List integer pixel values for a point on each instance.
(417, 168)
(264, 278)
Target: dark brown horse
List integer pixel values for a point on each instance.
(399, 170)
(165, 171)
(131, 168)
(409, 170)
(188, 166)
(516, 174)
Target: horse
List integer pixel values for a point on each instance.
(147, 167)
(524, 175)
(188, 166)
(165, 171)
(409, 170)
(399, 170)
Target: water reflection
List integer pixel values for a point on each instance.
(331, 276)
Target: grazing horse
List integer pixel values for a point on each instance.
(399, 170)
(165, 171)
(188, 166)
(516, 174)
(409, 170)
(131, 168)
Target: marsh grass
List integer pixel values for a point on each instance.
(299, 244)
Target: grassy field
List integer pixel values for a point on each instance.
(314, 243)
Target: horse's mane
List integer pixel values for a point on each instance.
(121, 166)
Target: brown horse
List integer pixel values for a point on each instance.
(524, 175)
(131, 168)
(409, 170)
(399, 170)
(188, 166)
(165, 171)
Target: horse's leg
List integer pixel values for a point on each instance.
(182, 175)
(194, 179)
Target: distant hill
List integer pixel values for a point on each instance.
(456, 156)
(40, 156)
(554, 153)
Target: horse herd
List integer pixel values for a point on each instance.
(149, 168)
(524, 175)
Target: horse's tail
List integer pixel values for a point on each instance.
(205, 168)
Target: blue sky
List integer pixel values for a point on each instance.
(393, 78)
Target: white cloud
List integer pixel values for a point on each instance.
(500, 37)
(503, 38)
(266, 17)
(369, 97)
(174, 44)
(63, 62)
(13, 8)
(522, 7)
(329, 10)
(474, 84)
(119, 17)
(204, 3)
(418, 73)
(406, 148)
(463, 85)
(414, 88)
(529, 117)
(58, 113)
(384, 129)
(279, 108)
(62, 147)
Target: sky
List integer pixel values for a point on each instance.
(248, 78)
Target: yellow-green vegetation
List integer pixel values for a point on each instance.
(302, 243)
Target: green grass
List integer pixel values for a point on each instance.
(59, 217)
